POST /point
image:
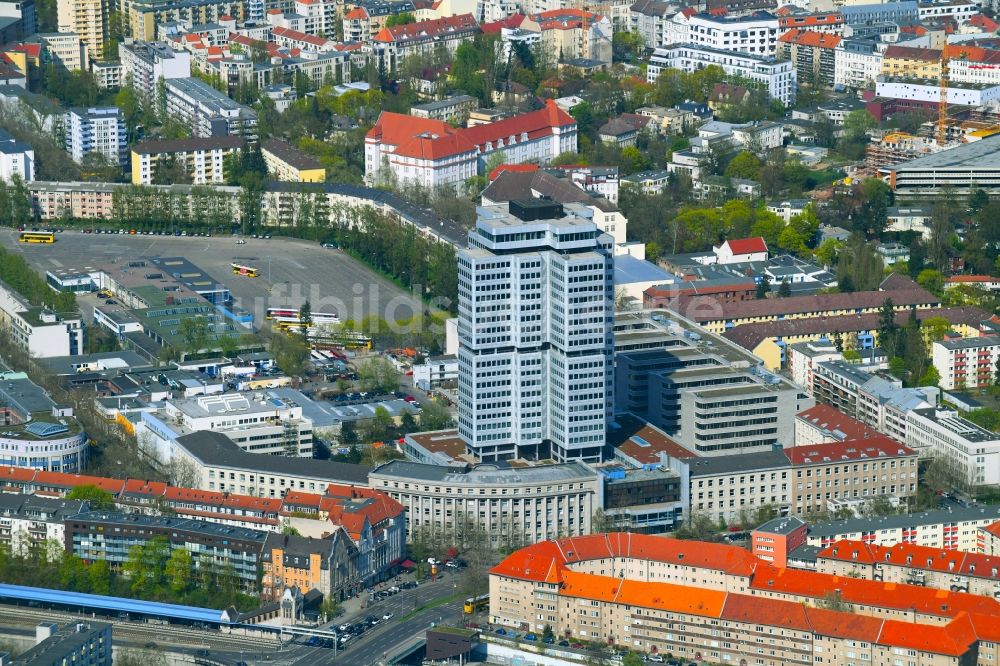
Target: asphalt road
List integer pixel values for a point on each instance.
(291, 270)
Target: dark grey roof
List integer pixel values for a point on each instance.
(741, 462)
(511, 185)
(188, 145)
(64, 643)
(215, 449)
(954, 513)
(290, 155)
(783, 525)
(296, 550)
(171, 523)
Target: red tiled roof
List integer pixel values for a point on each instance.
(984, 22)
(810, 20)
(433, 139)
(33, 50)
(535, 562)
(912, 53)
(811, 38)
(828, 418)
(62, 480)
(430, 28)
(899, 596)
(994, 529)
(850, 449)
(643, 442)
(22, 474)
(356, 14)
(194, 495)
(746, 245)
(249, 502)
(512, 21)
(917, 557)
(296, 36)
(149, 488)
(518, 168)
(962, 279)
(953, 639)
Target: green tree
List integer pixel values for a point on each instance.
(98, 498)
(857, 123)
(305, 317)
(744, 165)
(290, 352)
(435, 416)
(763, 286)
(888, 329)
(179, 570)
(402, 18)
(875, 197)
(932, 280)
(785, 288)
(348, 435)
(195, 333)
(931, 377)
(100, 577)
(379, 375)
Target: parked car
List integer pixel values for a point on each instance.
(563, 643)
(501, 632)
(530, 637)
(387, 617)
(655, 658)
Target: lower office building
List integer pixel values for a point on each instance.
(969, 451)
(961, 169)
(208, 112)
(108, 536)
(37, 433)
(201, 160)
(514, 505)
(37, 330)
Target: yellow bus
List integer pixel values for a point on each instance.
(476, 604)
(37, 237)
(247, 271)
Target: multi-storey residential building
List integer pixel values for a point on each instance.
(77, 643)
(16, 159)
(109, 535)
(953, 570)
(778, 77)
(64, 49)
(143, 16)
(290, 38)
(107, 73)
(960, 10)
(813, 54)
(454, 109)
(755, 33)
(535, 334)
(144, 64)
(910, 62)
(704, 602)
(88, 19)
(394, 44)
(366, 19)
(218, 463)
(430, 153)
(649, 20)
(207, 111)
(513, 505)
(37, 330)
(28, 523)
(966, 362)
(988, 538)
(954, 528)
(870, 19)
(971, 452)
(96, 130)
(328, 565)
(575, 33)
(286, 162)
(202, 159)
(857, 63)
(803, 357)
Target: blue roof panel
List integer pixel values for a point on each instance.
(176, 611)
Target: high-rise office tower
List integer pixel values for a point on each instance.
(535, 310)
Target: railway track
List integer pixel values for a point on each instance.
(160, 634)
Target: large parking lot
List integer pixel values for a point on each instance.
(291, 270)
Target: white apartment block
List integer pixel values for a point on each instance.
(756, 33)
(16, 159)
(203, 158)
(972, 453)
(966, 362)
(857, 63)
(536, 294)
(207, 111)
(145, 63)
(66, 49)
(954, 528)
(96, 130)
(778, 77)
(525, 505)
(956, 9)
(956, 94)
(40, 332)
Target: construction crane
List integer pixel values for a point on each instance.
(942, 99)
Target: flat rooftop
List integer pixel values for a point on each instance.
(982, 153)
(486, 474)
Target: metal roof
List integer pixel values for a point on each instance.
(120, 604)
